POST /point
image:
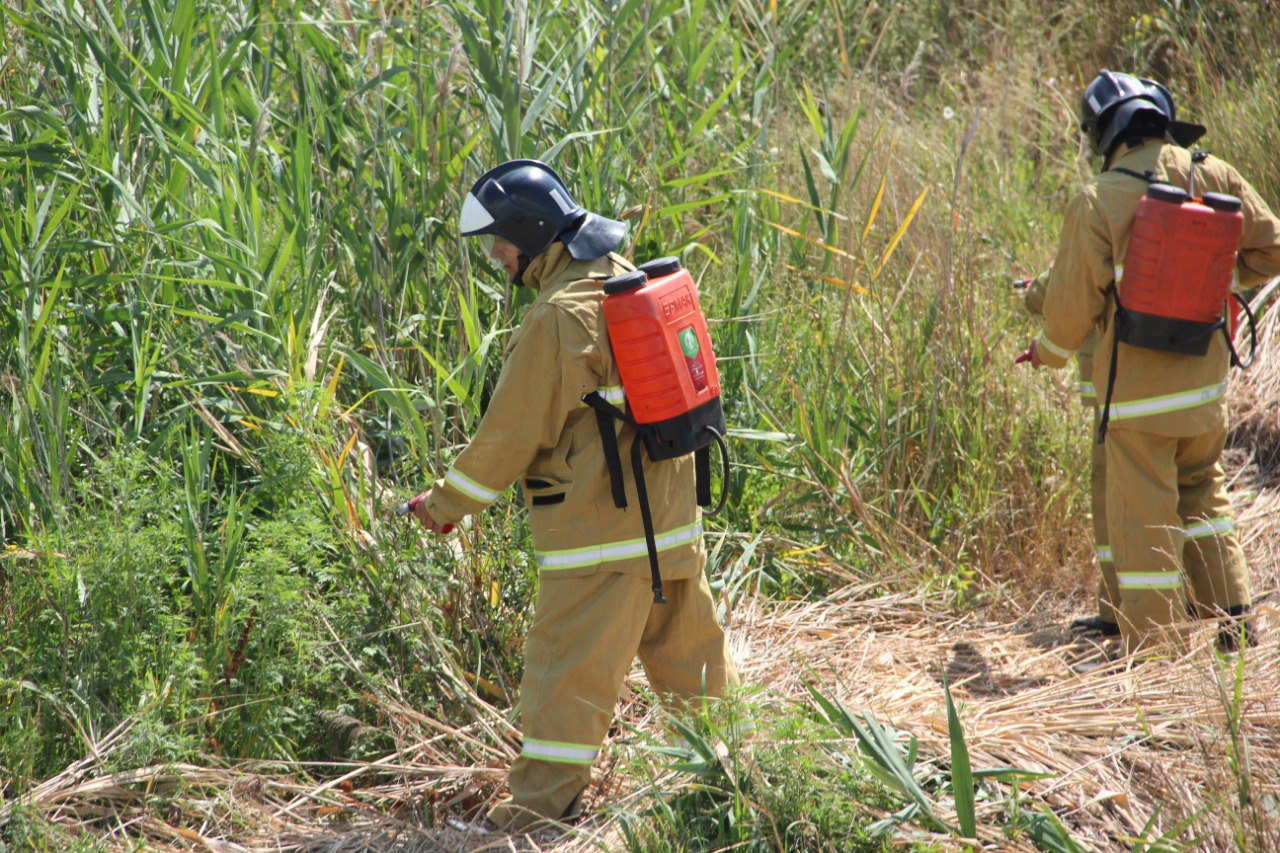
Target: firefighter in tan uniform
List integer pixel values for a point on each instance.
(1169, 518)
(595, 610)
(1105, 621)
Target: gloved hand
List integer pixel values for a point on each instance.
(418, 507)
(1029, 357)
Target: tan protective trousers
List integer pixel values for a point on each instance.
(585, 634)
(1169, 521)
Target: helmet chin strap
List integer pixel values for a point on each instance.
(518, 278)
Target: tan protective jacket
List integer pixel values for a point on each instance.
(1033, 301)
(538, 428)
(1156, 392)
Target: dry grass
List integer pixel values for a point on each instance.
(1256, 397)
(1123, 742)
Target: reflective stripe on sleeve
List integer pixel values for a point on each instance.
(1104, 554)
(1087, 390)
(561, 753)
(1167, 403)
(1210, 527)
(1054, 348)
(576, 558)
(1149, 580)
(470, 487)
(615, 394)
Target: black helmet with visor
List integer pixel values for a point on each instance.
(527, 203)
(1114, 101)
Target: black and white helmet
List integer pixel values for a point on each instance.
(1114, 100)
(527, 203)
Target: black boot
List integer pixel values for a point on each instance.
(1096, 623)
(1229, 629)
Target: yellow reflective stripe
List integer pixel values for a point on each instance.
(1167, 403)
(1104, 554)
(1149, 580)
(469, 487)
(1044, 341)
(1118, 272)
(576, 558)
(1087, 390)
(1210, 527)
(562, 753)
(613, 393)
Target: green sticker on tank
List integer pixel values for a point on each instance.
(689, 342)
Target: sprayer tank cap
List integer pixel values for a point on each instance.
(1167, 192)
(658, 267)
(626, 281)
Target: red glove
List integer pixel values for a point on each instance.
(419, 510)
(1029, 357)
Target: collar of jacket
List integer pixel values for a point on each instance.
(1141, 159)
(547, 267)
(555, 269)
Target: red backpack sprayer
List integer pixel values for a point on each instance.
(1172, 291)
(660, 341)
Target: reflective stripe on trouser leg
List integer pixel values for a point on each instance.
(1145, 534)
(582, 642)
(1108, 591)
(1216, 568)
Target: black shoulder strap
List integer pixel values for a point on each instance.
(1253, 336)
(1198, 156)
(1148, 176)
(1104, 418)
(606, 413)
(646, 519)
(702, 467)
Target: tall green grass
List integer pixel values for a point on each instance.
(233, 270)
(237, 322)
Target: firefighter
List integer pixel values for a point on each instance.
(595, 610)
(1105, 621)
(1169, 521)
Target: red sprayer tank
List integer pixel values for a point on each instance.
(1178, 269)
(660, 342)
